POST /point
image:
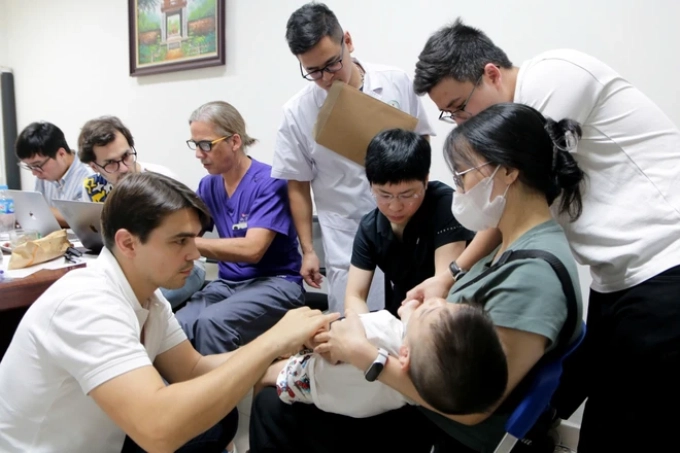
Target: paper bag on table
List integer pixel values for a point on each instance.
(39, 251)
(349, 119)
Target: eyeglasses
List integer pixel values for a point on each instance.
(407, 199)
(34, 167)
(460, 113)
(205, 145)
(112, 166)
(330, 67)
(458, 176)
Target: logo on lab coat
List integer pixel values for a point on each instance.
(394, 103)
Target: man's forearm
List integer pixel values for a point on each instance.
(235, 250)
(60, 218)
(301, 210)
(208, 363)
(356, 304)
(483, 244)
(188, 408)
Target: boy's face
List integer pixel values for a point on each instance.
(398, 202)
(420, 317)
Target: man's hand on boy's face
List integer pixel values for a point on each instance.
(437, 286)
(342, 340)
(407, 308)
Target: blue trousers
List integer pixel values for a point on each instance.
(226, 314)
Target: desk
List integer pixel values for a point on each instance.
(22, 292)
(17, 294)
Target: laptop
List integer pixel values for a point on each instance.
(33, 213)
(84, 218)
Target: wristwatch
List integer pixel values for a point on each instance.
(456, 271)
(377, 366)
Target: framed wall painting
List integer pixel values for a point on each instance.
(175, 35)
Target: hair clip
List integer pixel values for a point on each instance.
(570, 142)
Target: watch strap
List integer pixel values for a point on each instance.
(456, 271)
(377, 366)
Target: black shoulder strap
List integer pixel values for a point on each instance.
(569, 326)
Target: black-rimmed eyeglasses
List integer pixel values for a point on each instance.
(34, 167)
(205, 145)
(113, 165)
(460, 113)
(331, 68)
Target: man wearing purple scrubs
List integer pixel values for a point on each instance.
(257, 249)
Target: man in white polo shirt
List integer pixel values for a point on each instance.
(342, 194)
(88, 361)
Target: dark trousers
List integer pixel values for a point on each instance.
(214, 440)
(279, 427)
(226, 315)
(629, 369)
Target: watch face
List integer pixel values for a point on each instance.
(374, 371)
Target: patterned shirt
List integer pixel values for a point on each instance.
(96, 188)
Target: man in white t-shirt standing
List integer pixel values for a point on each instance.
(107, 146)
(341, 192)
(629, 232)
(88, 361)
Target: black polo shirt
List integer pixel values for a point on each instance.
(408, 262)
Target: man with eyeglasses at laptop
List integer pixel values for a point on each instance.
(341, 192)
(107, 146)
(42, 149)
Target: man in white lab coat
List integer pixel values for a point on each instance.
(341, 191)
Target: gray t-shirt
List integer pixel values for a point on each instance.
(524, 294)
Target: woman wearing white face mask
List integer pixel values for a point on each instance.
(510, 166)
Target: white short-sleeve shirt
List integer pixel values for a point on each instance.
(343, 389)
(83, 331)
(630, 151)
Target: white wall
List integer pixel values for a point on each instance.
(70, 59)
(3, 33)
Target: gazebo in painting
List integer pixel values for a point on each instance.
(174, 22)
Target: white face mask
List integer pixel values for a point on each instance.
(474, 210)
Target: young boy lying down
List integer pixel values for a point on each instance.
(454, 359)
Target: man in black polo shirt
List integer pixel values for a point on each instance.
(412, 235)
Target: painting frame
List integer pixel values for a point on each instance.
(215, 58)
